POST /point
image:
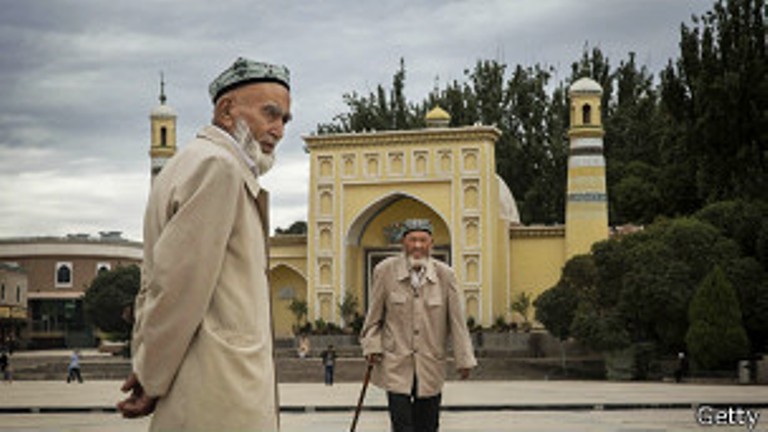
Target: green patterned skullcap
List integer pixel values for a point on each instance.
(244, 71)
(416, 225)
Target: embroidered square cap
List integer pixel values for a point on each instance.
(416, 225)
(244, 71)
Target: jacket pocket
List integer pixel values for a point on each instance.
(397, 298)
(434, 301)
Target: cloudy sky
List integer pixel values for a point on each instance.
(79, 78)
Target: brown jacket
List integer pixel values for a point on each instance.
(203, 338)
(411, 327)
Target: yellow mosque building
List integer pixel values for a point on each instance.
(364, 185)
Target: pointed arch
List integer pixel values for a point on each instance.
(365, 216)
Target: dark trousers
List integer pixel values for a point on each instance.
(74, 374)
(410, 413)
(328, 375)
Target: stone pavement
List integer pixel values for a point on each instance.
(490, 406)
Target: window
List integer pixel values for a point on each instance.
(163, 136)
(586, 114)
(103, 267)
(18, 294)
(64, 275)
(2, 292)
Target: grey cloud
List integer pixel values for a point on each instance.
(80, 77)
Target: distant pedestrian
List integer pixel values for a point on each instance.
(10, 344)
(5, 367)
(303, 349)
(329, 361)
(682, 367)
(73, 371)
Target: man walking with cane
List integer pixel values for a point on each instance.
(415, 306)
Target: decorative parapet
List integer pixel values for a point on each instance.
(383, 138)
(528, 231)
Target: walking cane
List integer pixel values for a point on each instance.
(362, 396)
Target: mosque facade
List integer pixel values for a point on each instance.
(364, 185)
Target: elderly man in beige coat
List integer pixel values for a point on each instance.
(415, 307)
(202, 342)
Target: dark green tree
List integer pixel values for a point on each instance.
(109, 296)
(298, 227)
(716, 337)
(533, 159)
(716, 99)
(555, 309)
(740, 220)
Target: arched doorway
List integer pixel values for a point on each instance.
(372, 237)
(286, 284)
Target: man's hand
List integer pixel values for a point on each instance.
(373, 358)
(464, 373)
(138, 404)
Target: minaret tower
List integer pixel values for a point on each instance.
(586, 210)
(163, 123)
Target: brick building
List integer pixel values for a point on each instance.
(58, 271)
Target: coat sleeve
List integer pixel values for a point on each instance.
(463, 352)
(187, 260)
(370, 335)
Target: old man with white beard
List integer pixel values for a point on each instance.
(202, 339)
(415, 308)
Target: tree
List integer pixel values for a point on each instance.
(348, 308)
(107, 298)
(522, 305)
(716, 337)
(532, 154)
(751, 282)
(299, 309)
(716, 97)
(555, 309)
(298, 227)
(738, 219)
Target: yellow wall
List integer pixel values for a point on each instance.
(283, 278)
(535, 261)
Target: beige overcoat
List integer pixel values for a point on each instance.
(203, 338)
(411, 327)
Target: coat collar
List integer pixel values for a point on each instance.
(403, 272)
(221, 138)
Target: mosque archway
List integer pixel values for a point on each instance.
(372, 237)
(286, 284)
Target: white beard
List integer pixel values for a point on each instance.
(243, 136)
(416, 262)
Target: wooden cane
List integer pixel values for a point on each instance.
(362, 397)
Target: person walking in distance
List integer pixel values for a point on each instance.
(73, 369)
(329, 363)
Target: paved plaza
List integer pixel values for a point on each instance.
(490, 406)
